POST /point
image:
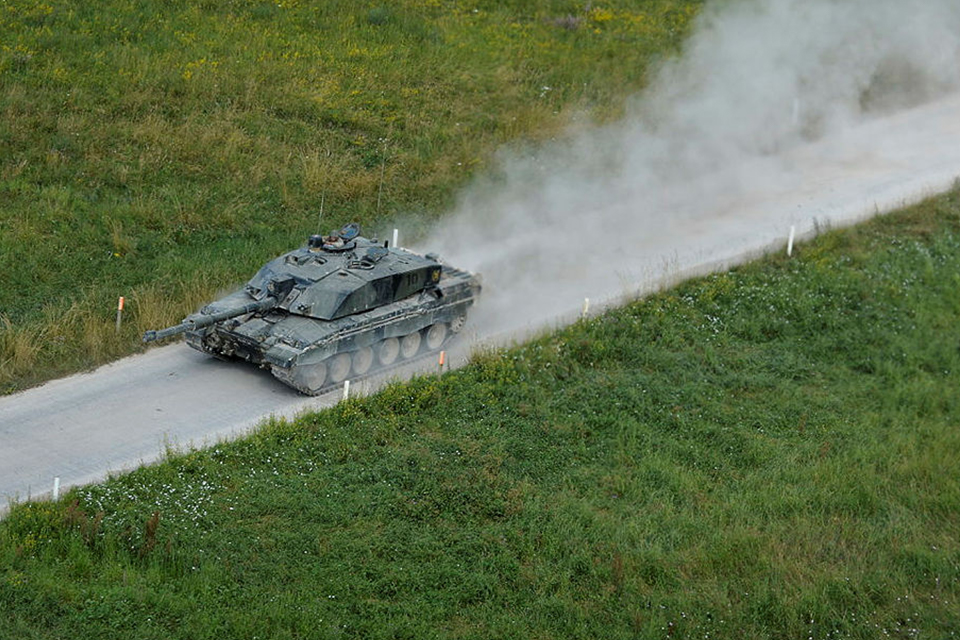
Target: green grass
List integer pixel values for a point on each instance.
(164, 150)
(765, 453)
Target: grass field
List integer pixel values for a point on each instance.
(163, 150)
(765, 453)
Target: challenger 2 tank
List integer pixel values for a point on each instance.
(338, 308)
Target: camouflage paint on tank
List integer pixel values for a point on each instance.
(337, 306)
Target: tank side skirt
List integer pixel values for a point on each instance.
(285, 375)
(443, 313)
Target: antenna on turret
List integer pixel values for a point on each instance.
(320, 217)
(383, 163)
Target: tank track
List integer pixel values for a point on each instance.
(288, 376)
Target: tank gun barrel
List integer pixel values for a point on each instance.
(206, 320)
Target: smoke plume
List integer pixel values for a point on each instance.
(773, 111)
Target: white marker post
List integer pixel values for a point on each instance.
(586, 307)
(396, 234)
(346, 389)
(119, 312)
(56, 488)
(793, 230)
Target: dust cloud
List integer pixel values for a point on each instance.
(778, 113)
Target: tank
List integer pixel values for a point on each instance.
(343, 306)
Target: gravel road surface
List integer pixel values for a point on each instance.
(84, 427)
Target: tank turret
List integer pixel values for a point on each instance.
(341, 306)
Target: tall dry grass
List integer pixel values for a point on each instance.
(85, 335)
(142, 144)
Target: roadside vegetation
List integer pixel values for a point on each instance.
(765, 453)
(163, 150)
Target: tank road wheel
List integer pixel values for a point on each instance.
(311, 376)
(410, 344)
(387, 351)
(436, 334)
(339, 367)
(362, 360)
(457, 324)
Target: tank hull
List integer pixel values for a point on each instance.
(313, 355)
(341, 307)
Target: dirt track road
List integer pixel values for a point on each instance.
(86, 426)
(128, 413)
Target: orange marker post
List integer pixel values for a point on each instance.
(443, 355)
(119, 312)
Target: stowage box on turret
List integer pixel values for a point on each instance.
(337, 308)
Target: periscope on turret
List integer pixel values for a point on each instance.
(342, 306)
